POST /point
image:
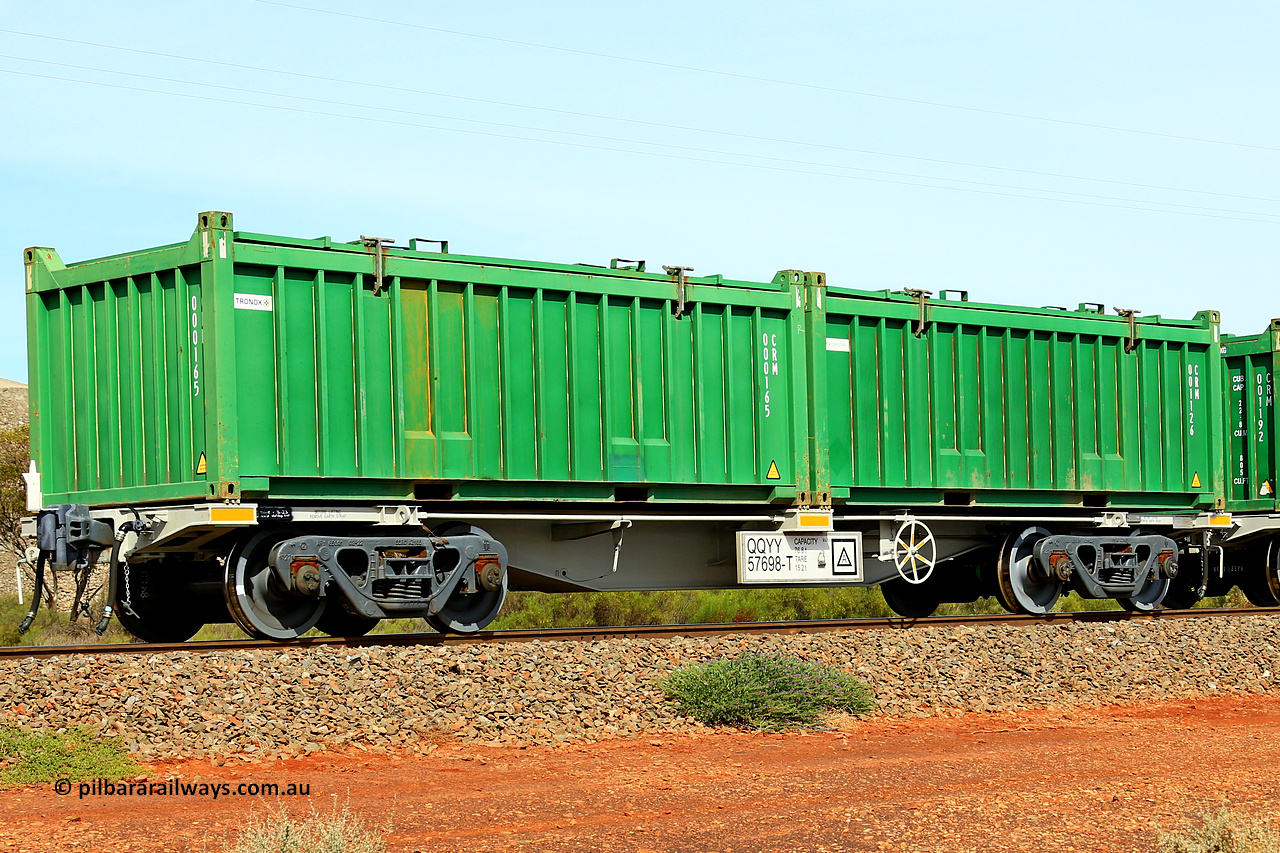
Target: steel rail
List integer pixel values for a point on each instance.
(629, 632)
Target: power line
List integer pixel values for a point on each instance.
(602, 138)
(624, 119)
(758, 79)
(1246, 217)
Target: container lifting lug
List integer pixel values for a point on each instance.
(679, 272)
(922, 299)
(1131, 343)
(376, 243)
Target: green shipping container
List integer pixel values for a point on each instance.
(949, 402)
(247, 365)
(238, 364)
(1250, 364)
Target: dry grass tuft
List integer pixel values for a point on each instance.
(336, 832)
(1223, 831)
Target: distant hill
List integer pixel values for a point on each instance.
(13, 404)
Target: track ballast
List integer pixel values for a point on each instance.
(635, 631)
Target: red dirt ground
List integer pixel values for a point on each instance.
(1082, 780)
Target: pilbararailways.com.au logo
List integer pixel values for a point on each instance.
(175, 787)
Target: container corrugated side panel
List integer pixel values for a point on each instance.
(482, 373)
(990, 400)
(1251, 458)
(114, 361)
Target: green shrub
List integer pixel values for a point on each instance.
(764, 691)
(531, 610)
(76, 755)
(1223, 831)
(338, 832)
(15, 453)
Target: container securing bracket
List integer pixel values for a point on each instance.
(922, 299)
(1130, 315)
(379, 260)
(678, 272)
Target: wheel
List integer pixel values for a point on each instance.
(1272, 568)
(1152, 594)
(914, 548)
(911, 601)
(1021, 585)
(467, 613)
(337, 621)
(1149, 597)
(256, 599)
(1184, 590)
(161, 612)
(1258, 593)
(151, 628)
(1263, 588)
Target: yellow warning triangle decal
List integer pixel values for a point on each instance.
(1195, 480)
(202, 467)
(773, 472)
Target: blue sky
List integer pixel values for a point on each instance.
(1035, 153)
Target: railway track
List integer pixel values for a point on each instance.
(636, 631)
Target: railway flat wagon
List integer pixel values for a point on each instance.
(292, 433)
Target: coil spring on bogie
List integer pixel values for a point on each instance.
(402, 590)
(1117, 575)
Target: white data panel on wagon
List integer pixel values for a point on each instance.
(799, 557)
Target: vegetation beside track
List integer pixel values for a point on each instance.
(76, 754)
(340, 831)
(770, 692)
(15, 453)
(1223, 831)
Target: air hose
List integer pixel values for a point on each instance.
(25, 624)
(113, 575)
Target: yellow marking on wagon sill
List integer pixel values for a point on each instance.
(1220, 520)
(202, 467)
(1195, 480)
(814, 521)
(773, 472)
(231, 513)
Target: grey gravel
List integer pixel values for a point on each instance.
(286, 702)
(13, 404)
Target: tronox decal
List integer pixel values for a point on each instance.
(253, 301)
